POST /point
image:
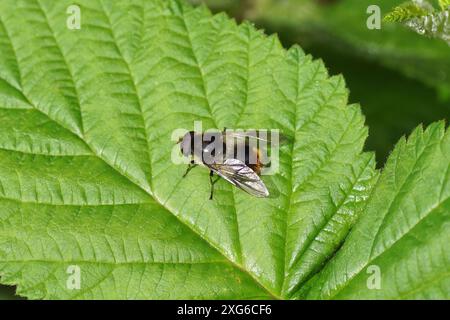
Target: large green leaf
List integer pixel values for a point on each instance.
(405, 230)
(86, 176)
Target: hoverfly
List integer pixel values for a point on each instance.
(241, 169)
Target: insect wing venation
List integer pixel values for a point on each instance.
(239, 174)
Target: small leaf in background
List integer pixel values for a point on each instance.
(421, 17)
(409, 10)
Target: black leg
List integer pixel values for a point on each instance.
(189, 168)
(211, 182)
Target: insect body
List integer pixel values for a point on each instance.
(238, 162)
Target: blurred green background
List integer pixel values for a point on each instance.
(401, 79)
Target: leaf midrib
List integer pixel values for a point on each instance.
(135, 88)
(295, 103)
(325, 222)
(81, 261)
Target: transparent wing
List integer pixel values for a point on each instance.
(239, 174)
(246, 135)
(256, 136)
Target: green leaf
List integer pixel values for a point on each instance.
(407, 11)
(444, 4)
(423, 19)
(434, 25)
(404, 231)
(86, 177)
